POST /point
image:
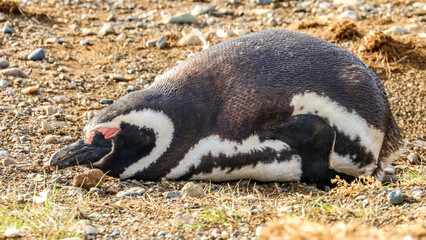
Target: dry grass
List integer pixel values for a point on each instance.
(292, 228)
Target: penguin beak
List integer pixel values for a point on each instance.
(82, 153)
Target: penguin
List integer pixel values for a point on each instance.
(275, 105)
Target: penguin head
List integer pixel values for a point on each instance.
(118, 142)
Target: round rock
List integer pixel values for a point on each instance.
(395, 197)
(36, 55)
(192, 190)
(89, 179)
(4, 83)
(7, 30)
(4, 63)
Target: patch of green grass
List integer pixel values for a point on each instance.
(45, 215)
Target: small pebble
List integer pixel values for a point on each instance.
(37, 55)
(162, 233)
(61, 99)
(115, 233)
(8, 161)
(202, 9)
(89, 179)
(117, 77)
(190, 39)
(7, 30)
(182, 18)
(151, 43)
(395, 197)
(14, 72)
(396, 30)
(134, 191)
(50, 139)
(411, 217)
(4, 63)
(263, 2)
(4, 83)
(162, 43)
(106, 101)
(30, 90)
(107, 28)
(174, 194)
(348, 14)
(192, 190)
(360, 198)
(84, 42)
(365, 203)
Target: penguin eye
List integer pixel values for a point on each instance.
(106, 131)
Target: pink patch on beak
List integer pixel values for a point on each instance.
(106, 131)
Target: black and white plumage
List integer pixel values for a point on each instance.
(275, 105)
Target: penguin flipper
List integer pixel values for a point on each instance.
(313, 138)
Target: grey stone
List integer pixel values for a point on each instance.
(61, 99)
(202, 9)
(396, 30)
(182, 18)
(360, 198)
(151, 43)
(46, 126)
(134, 191)
(122, 36)
(263, 2)
(37, 55)
(162, 233)
(395, 197)
(411, 217)
(8, 161)
(117, 77)
(174, 194)
(115, 233)
(365, 203)
(226, 11)
(84, 42)
(106, 101)
(7, 30)
(413, 28)
(131, 70)
(192, 190)
(349, 14)
(162, 43)
(325, 5)
(4, 63)
(4, 153)
(132, 88)
(4, 83)
(50, 139)
(107, 28)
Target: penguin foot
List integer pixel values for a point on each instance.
(389, 178)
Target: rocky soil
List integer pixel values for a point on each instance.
(63, 60)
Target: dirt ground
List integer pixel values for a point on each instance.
(48, 110)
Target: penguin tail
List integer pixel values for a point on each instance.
(391, 147)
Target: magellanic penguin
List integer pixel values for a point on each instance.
(275, 105)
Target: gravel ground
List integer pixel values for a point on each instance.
(62, 61)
